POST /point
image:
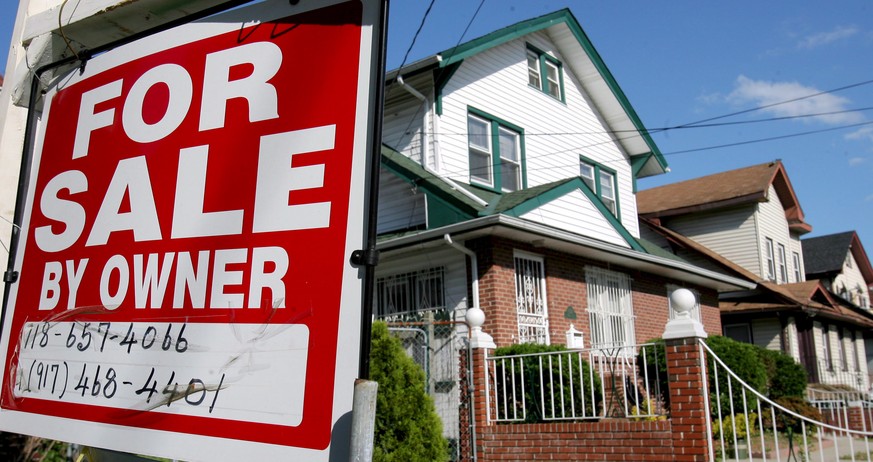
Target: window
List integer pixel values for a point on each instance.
(533, 69)
(826, 347)
(530, 299)
(738, 332)
(405, 294)
(771, 264)
(797, 272)
(545, 73)
(841, 349)
(855, 355)
(695, 312)
(602, 182)
(496, 153)
(610, 309)
(783, 265)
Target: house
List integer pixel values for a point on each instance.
(840, 262)
(505, 186)
(748, 223)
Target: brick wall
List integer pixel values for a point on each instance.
(608, 440)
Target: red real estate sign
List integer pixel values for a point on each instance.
(185, 287)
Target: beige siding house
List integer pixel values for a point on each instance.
(748, 222)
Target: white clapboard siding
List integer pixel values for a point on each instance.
(449, 258)
(556, 134)
(730, 233)
(852, 279)
(404, 115)
(773, 224)
(766, 333)
(575, 213)
(400, 207)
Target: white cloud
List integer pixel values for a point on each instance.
(863, 133)
(773, 94)
(856, 161)
(824, 38)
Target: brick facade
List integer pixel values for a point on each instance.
(567, 294)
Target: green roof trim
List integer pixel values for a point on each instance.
(452, 201)
(521, 202)
(565, 16)
(441, 79)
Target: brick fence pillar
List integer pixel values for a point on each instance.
(481, 345)
(686, 371)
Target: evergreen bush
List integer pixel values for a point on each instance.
(785, 377)
(557, 382)
(407, 425)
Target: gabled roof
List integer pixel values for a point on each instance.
(810, 296)
(735, 187)
(586, 64)
(824, 256)
(515, 203)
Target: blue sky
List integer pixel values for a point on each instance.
(682, 61)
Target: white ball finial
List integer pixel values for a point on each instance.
(475, 317)
(683, 301)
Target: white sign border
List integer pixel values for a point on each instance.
(198, 447)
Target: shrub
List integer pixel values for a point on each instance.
(785, 377)
(557, 381)
(770, 372)
(789, 423)
(407, 426)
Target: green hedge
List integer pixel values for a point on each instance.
(772, 373)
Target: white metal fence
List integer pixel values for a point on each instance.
(746, 425)
(573, 385)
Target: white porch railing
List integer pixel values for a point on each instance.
(574, 384)
(749, 426)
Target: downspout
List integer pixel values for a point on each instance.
(474, 263)
(474, 269)
(425, 145)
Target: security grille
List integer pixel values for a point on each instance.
(610, 308)
(530, 299)
(403, 296)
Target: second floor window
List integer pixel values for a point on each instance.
(770, 262)
(783, 265)
(602, 182)
(495, 153)
(797, 272)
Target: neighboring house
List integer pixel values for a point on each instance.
(503, 187)
(842, 265)
(748, 223)
(840, 262)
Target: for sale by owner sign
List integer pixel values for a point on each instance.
(185, 287)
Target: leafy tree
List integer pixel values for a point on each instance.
(407, 425)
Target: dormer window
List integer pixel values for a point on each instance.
(496, 152)
(545, 73)
(601, 181)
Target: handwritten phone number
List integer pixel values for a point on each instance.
(100, 382)
(84, 335)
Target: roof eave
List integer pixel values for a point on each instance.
(549, 237)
